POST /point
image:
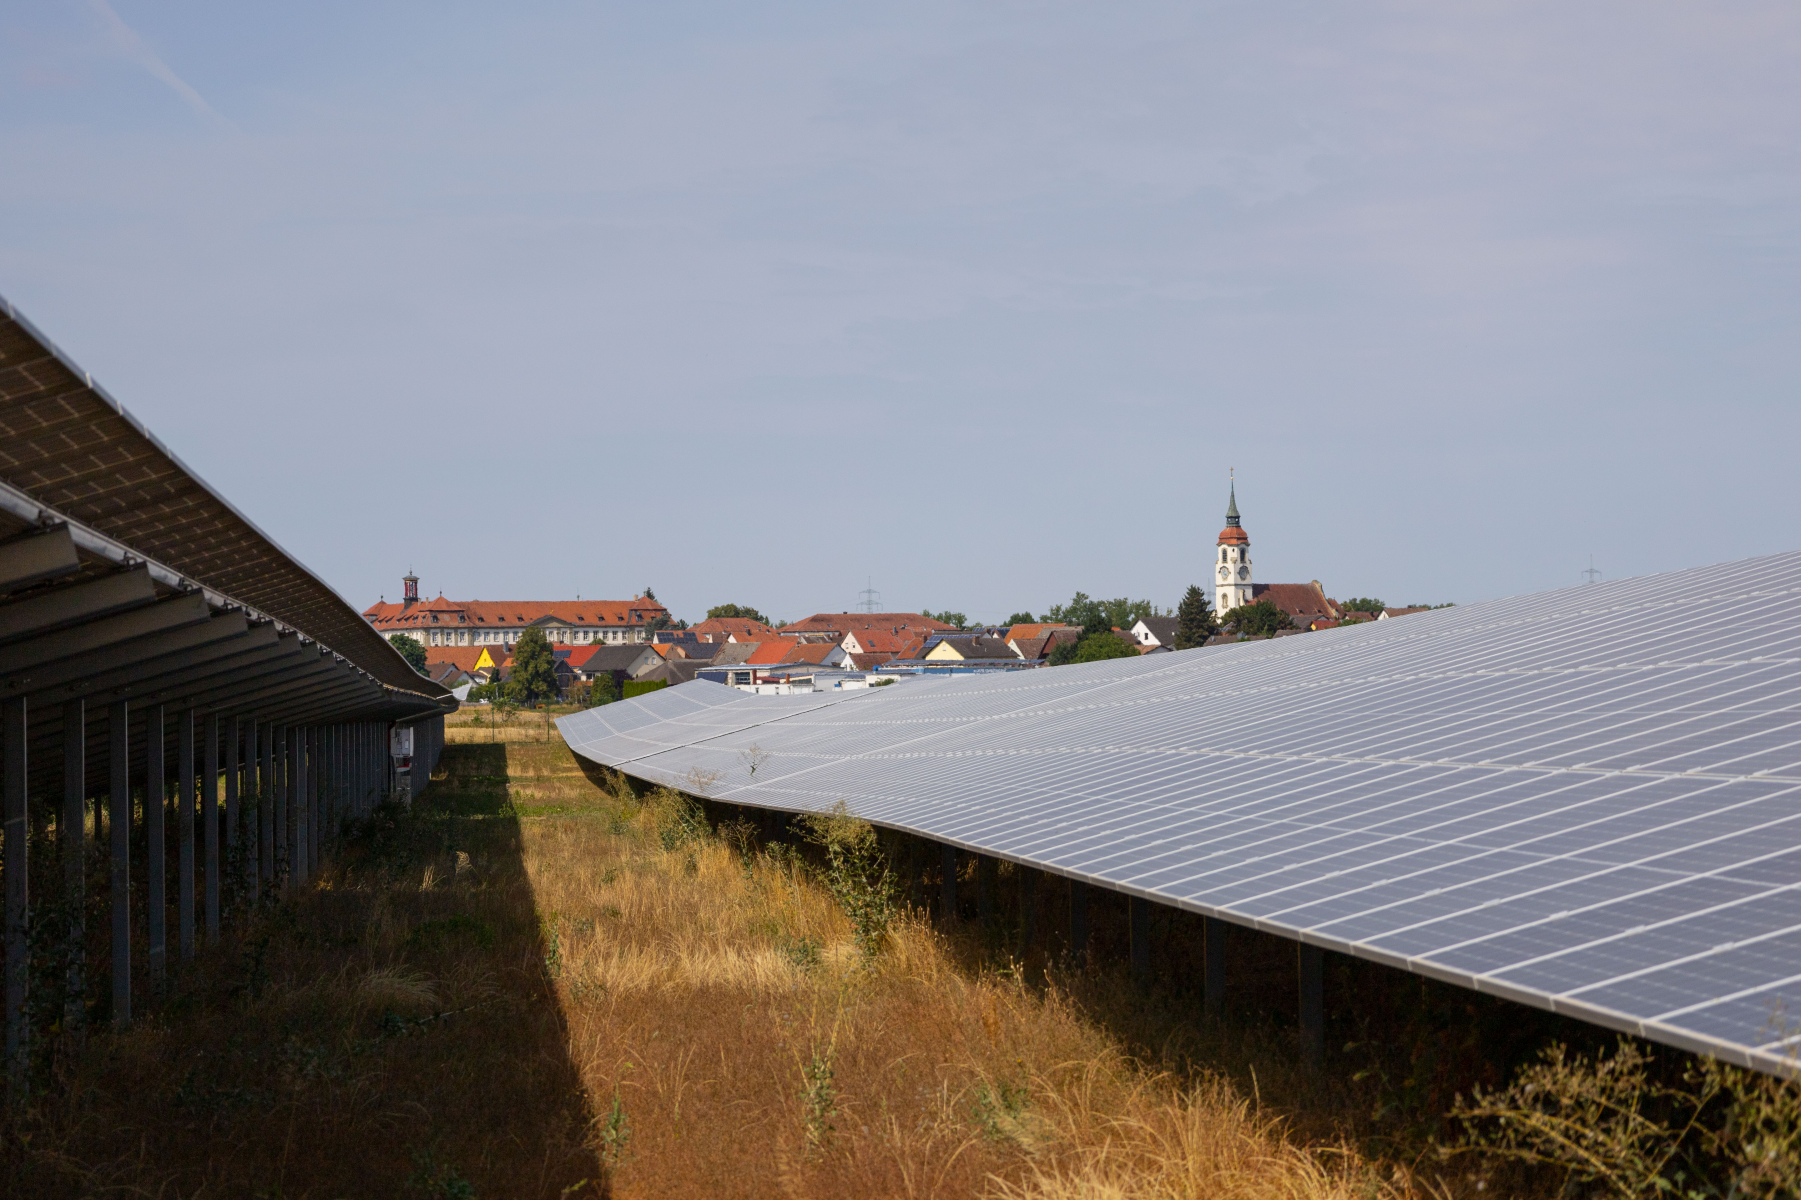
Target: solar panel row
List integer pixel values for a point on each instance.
(1587, 799)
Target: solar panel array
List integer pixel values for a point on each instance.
(1587, 800)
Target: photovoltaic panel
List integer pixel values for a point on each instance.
(1588, 800)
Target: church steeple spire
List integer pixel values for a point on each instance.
(1234, 566)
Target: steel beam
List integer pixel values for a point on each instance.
(114, 661)
(73, 603)
(40, 556)
(150, 619)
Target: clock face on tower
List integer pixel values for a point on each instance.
(1225, 572)
(1244, 572)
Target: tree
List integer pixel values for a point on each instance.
(1195, 622)
(1120, 613)
(411, 650)
(534, 674)
(948, 617)
(602, 691)
(650, 595)
(1257, 620)
(743, 612)
(1363, 604)
(1099, 647)
(1022, 618)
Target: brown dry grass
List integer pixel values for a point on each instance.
(700, 984)
(525, 986)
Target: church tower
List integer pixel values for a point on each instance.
(1234, 567)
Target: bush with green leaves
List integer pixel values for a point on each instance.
(1256, 620)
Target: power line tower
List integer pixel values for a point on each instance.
(1592, 575)
(872, 599)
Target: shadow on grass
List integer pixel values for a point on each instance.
(1400, 1048)
(391, 1031)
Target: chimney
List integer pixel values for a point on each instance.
(410, 596)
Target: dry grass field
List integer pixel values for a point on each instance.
(541, 983)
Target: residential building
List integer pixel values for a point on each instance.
(500, 623)
(1402, 612)
(623, 663)
(969, 649)
(1155, 631)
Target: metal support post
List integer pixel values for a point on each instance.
(1138, 911)
(155, 832)
(284, 791)
(209, 821)
(265, 806)
(303, 803)
(118, 796)
(14, 787)
(1213, 974)
(1028, 908)
(184, 834)
(948, 865)
(315, 780)
(249, 836)
(1312, 969)
(915, 873)
(987, 880)
(1078, 922)
(233, 777)
(72, 831)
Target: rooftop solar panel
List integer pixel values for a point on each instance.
(1588, 800)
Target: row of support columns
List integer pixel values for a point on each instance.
(1310, 960)
(286, 790)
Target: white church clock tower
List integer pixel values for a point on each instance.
(1233, 570)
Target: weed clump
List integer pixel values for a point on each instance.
(856, 874)
(1609, 1123)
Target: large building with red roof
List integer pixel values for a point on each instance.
(500, 623)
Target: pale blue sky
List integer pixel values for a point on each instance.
(750, 302)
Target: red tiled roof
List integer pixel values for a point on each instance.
(867, 662)
(842, 623)
(773, 651)
(1234, 535)
(1302, 601)
(813, 652)
(1023, 630)
(741, 628)
(877, 641)
(463, 656)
